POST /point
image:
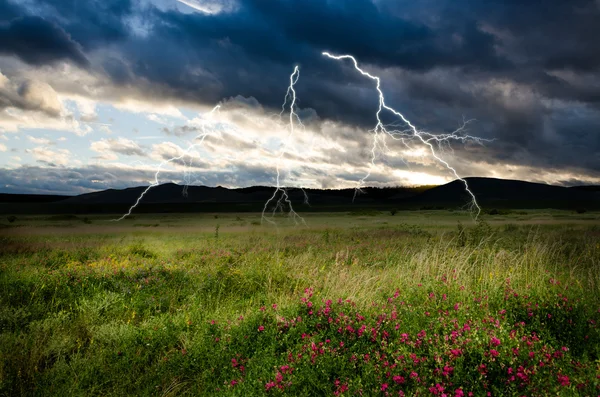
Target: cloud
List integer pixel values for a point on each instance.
(119, 145)
(30, 95)
(40, 141)
(528, 73)
(38, 41)
(40, 96)
(3, 147)
(51, 158)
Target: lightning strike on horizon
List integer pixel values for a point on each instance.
(284, 198)
(380, 132)
(200, 138)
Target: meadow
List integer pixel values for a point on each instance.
(425, 303)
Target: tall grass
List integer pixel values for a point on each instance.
(164, 314)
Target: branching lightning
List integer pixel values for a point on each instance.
(400, 130)
(279, 190)
(200, 140)
(381, 131)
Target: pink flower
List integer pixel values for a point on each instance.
(398, 379)
(384, 387)
(495, 341)
(458, 393)
(563, 380)
(456, 352)
(494, 353)
(261, 328)
(269, 386)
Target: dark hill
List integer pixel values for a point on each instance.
(506, 193)
(30, 198)
(169, 197)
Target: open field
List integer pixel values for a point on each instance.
(364, 303)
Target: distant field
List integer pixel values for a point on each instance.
(361, 303)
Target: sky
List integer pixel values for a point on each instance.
(98, 94)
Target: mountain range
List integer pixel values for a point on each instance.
(170, 197)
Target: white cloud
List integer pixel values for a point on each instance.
(119, 145)
(52, 157)
(137, 106)
(41, 96)
(34, 104)
(40, 141)
(3, 148)
(165, 151)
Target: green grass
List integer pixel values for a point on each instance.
(104, 308)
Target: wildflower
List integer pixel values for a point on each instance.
(458, 393)
(456, 352)
(495, 341)
(269, 386)
(494, 353)
(482, 369)
(261, 328)
(398, 379)
(233, 382)
(563, 380)
(384, 387)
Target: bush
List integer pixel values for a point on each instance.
(394, 211)
(11, 218)
(581, 210)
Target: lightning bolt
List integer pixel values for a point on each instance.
(279, 190)
(200, 140)
(280, 196)
(381, 131)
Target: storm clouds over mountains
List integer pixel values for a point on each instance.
(527, 72)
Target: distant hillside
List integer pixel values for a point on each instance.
(588, 188)
(30, 198)
(169, 197)
(506, 193)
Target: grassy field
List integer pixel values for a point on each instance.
(420, 303)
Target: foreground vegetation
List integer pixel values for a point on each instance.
(363, 304)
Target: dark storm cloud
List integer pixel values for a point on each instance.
(8, 11)
(92, 23)
(37, 41)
